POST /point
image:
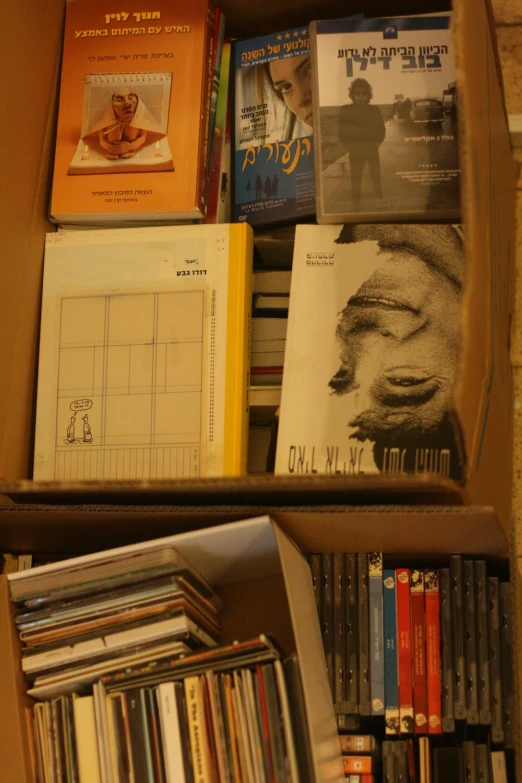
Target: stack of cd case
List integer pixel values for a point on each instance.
(416, 651)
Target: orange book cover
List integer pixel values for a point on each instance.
(132, 135)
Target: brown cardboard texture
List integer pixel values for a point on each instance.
(408, 530)
(266, 585)
(258, 572)
(483, 402)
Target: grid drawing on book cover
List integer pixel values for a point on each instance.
(140, 389)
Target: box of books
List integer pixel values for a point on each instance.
(483, 394)
(273, 138)
(374, 335)
(256, 673)
(385, 119)
(132, 135)
(144, 350)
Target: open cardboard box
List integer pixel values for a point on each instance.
(482, 404)
(258, 571)
(265, 584)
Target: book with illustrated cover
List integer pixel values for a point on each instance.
(385, 119)
(273, 139)
(143, 366)
(135, 97)
(372, 351)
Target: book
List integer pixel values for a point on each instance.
(447, 664)
(197, 729)
(219, 136)
(376, 633)
(433, 647)
(86, 744)
(144, 353)
(170, 731)
(387, 144)
(470, 642)
(404, 649)
(351, 624)
(273, 136)
(391, 668)
(484, 681)
(418, 636)
(103, 647)
(358, 743)
(271, 281)
(378, 308)
(119, 113)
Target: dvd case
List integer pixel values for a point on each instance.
(391, 669)
(376, 633)
(273, 139)
(385, 117)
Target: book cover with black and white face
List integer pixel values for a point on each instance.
(372, 351)
(385, 119)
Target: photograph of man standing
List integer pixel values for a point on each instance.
(361, 131)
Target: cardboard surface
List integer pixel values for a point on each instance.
(247, 489)
(266, 586)
(488, 205)
(483, 404)
(75, 530)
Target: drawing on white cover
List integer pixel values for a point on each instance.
(130, 373)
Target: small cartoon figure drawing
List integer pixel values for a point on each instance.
(87, 433)
(71, 430)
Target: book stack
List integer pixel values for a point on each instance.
(80, 618)
(120, 650)
(418, 652)
(229, 714)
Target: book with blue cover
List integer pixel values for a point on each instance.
(376, 633)
(273, 135)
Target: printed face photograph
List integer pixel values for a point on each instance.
(292, 79)
(399, 336)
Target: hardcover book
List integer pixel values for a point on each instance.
(143, 367)
(125, 76)
(385, 107)
(372, 351)
(273, 139)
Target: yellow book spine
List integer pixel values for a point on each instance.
(86, 741)
(197, 730)
(239, 317)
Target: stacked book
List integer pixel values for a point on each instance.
(81, 618)
(232, 713)
(120, 650)
(271, 295)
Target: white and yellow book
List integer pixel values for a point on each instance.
(144, 353)
(86, 741)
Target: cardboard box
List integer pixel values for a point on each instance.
(482, 405)
(259, 573)
(265, 584)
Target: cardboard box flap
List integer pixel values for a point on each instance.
(320, 712)
(488, 210)
(259, 17)
(15, 760)
(269, 489)
(73, 530)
